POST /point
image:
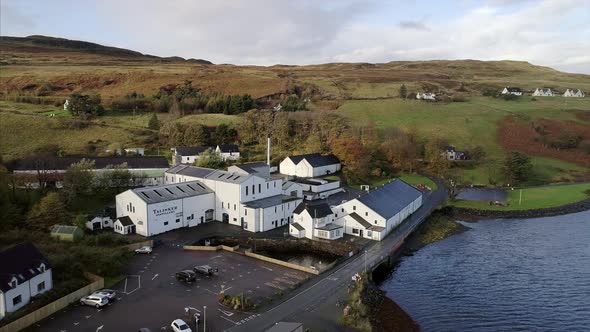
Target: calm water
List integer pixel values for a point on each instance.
(502, 275)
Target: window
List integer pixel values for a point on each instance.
(41, 286)
(234, 207)
(245, 212)
(246, 190)
(342, 209)
(177, 220)
(235, 219)
(16, 300)
(253, 190)
(354, 207)
(222, 205)
(370, 233)
(201, 219)
(336, 215)
(13, 283)
(275, 184)
(275, 208)
(165, 223)
(134, 209)
(42, 268)
(355, 231)
(245, 225)
(375, 222)
(366, 214)
(259, 188)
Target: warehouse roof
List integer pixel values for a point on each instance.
(315, 211)
(191, 150)
(169, 192)
(197, 172)
(63, 163)
(391, 198)
(316, 159)
(227, 148)
(228, 177)
(270, 201)
(258, 168)
(21, 261)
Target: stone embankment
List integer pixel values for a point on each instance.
(477, 214)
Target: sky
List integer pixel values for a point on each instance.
(554, 33)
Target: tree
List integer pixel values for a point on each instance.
(353, 156)
(224, 134)
(114, 177)
(436, 161)
(196, 135)
(80, 221)
(403, 91)
(49, 211)
(517, 168)
(83, 105)
(78, 180)
(154, 123)
(478, 153)
(210, 159)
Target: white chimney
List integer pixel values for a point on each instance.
(268, 150)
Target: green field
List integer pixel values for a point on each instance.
(469, 124)
(535, 198)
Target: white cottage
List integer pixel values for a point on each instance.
(228, 151)
(543, 92)
(512, 91)
(310, 165)
(426, 96)
(576, 93)
(376, 213)
(24, 274)
(315, 222)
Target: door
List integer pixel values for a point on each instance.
(361, 233)
(209, 215)
(242, 221)
(225, 217)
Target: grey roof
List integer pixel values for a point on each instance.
(228, 177)
(298, 226)
(259, 168)
(64, 229)
(270, 201)
(316, 159)
(21, 261)
(360, 220)
(197, 172)
(169, 192)
(228, 148)
(329, 227)
(125, 221)
(191, 150)
(513, 89)
(315, 211)
(63, 163)
(391, 198)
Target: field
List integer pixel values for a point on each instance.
(536, 198)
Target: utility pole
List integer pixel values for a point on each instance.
(520, 197)
(204, 318)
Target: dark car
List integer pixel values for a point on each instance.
(186, 276)
(205, 270)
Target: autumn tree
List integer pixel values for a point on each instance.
(50, 210)
(436, 160)
(354, 157)
(78, 180)
(196, 135)
(211, 159)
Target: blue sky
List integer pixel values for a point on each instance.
(553, 33)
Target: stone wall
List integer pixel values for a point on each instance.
(476, 214)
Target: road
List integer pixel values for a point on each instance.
(317, 291)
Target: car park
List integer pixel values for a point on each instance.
(179, 325)
(144, 250)
(94, 300)
(205, 270)
(186, 276)
(110, 294)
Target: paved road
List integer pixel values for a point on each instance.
(314, 293)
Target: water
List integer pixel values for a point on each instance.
(502, 275)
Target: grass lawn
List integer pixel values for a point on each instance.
(535, 198)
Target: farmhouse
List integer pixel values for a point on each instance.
(153, 210)
(24, 273)
(376, 213)
(250, 200)
(310, 165)
(451, 154)
(50, 170)
(426, 96)
(574, 93)
(315, 221)
(543, 92)
(512, 91)
(228, 151)
(187, 155)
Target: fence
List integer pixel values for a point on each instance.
(55, 306)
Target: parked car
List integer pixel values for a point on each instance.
(179, 325)
(109, 293)
(94, 300)
(186, 276)
(205, 270)
(144, 250)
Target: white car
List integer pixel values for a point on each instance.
(144, 250)
(95, 300)
(110, 294)
(180, 326)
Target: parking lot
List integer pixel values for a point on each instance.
(150, 296)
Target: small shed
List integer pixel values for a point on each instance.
(67, 233)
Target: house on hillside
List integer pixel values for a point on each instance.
(512, 91)
(451, 154)
(228, 151)
(315, 222)
(376, 213)
(577, 93)
(543, 92)
(187, 155)
(24, 274)
(310, 165)
(135, 151)
(426, 96)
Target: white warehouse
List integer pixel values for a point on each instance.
(376, 213)
(310, 165)
(158, 209)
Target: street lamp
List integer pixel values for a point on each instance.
(204, 318)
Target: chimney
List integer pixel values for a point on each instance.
(268, 150)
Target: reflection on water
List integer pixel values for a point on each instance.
(502, 275)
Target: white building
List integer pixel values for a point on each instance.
(543, 92)
(158, 209)
(376, 213)
(574, 93)
(24, 274)
(512, 91)
(228, 151)
(102, 219)
(315, 221)
(310, 165)
(318, 188)
(187, 155)
(450, 153)
(291, 188)
(426, 96)
(135, 151)
(249, 200)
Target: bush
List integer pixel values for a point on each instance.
(509, 97)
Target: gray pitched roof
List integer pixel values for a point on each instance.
(298, 226)
(360, 220)
(63, 163)
(259, 168)
(228, 177)
(316, 159)
(169, 192)
(390, 198)
(191, 150)
(198, 172)
(64, 229)
(315, 211)
(21, 261)
(270, 201)
(228, 148)
(125, 221)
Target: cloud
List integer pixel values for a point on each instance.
(413, 25)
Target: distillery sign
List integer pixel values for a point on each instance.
(163, 211)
